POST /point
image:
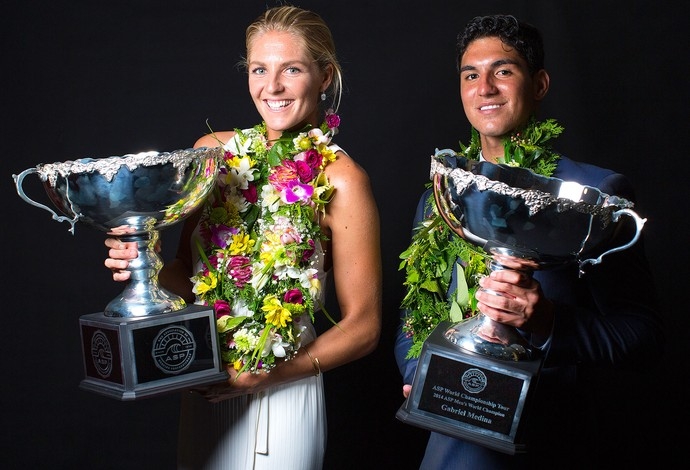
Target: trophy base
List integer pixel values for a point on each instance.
(140, 357)
(468, 396)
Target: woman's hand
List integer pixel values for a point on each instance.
(120, 254)
(236, 385)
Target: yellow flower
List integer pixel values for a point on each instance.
(276, 314)
(271, 248)
(241, 244)
(240, 163)
(328, 155)
(206, 283)
(322, 187)
(314, 286)
(237, 365)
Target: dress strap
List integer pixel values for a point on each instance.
(336, 148)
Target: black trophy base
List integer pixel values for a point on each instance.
(140, 357)
(468, 396)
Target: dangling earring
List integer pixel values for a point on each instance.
(323, 96)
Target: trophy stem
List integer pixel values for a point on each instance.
(482, 335)
(143, 296)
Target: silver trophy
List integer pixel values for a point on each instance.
(147, 341)
(474, 378)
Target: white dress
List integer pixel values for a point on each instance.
(282, 427)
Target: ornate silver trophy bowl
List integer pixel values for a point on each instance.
(525, 222)
(474, 378)
(147, 341)
(130, 197)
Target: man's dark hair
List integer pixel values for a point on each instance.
(523, 37)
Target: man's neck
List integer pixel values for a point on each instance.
(492, 148)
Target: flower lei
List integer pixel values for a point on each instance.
(431, 257)
(258, 234)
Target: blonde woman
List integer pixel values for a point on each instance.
(277, 419)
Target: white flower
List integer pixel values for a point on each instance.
(246, 340)
(238, 201)
(241, 172)
(278, 346)
(260, 278)
(270, 198)
(318, 136)
(240, 308)
(309, 280)
(295, 273)
(236, 147)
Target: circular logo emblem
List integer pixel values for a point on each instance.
(473, 380)
(173, 349)
(101, 354)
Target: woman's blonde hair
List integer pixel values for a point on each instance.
(313, 31)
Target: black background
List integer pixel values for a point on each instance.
(100, 78)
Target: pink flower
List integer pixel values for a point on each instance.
(290, 235)
(293, 296)
(221, 307)
(283, 174)
(250, 194)
(332, 120)
(313, 159)
(308, 252)
(214, 260)
(304, 171)
(240, 269)
(221, 235)
(296, 191)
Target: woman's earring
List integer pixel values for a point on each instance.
(323, 96)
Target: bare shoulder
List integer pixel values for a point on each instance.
(346, 171)
(215, 139)
(348, 178)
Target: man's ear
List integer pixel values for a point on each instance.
(541, 84)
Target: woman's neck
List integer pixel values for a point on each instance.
(273, 134)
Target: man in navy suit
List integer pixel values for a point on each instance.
(608, 317)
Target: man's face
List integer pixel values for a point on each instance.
(497, 91)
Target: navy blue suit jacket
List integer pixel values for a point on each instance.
(608, 317)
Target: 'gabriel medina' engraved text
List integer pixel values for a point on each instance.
(461, 404)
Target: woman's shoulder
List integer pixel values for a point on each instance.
(346, 174)
(215, 139)
(344, 163)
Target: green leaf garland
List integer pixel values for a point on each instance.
(431, 257)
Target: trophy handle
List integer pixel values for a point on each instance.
(19, 180)
(444, 209)
(639, 223)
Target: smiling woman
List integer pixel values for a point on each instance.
(283, 81)
(289, 209)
